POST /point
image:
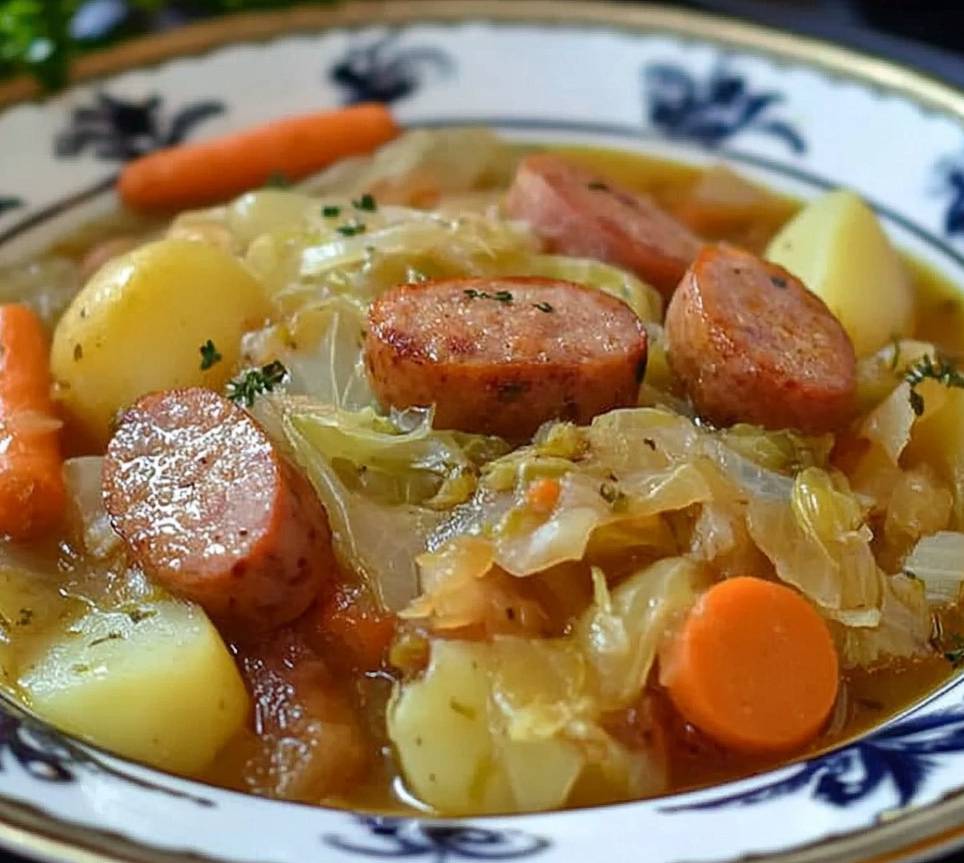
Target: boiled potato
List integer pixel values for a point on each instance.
(483, 730)
(30, 602)
(157, 686)
(837, 247)
(138, 326)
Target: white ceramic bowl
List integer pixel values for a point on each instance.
(800, 115)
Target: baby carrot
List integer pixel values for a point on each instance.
(217, 169)
(754, 667)
(542, 495)
(31, 480)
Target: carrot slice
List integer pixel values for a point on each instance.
(32, 492)
(754, 667)
(542, 495)
(217, 169)
(352, 629)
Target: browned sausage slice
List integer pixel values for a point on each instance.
(578, 213)
(502, 356)
(752, 344)
(210, 511)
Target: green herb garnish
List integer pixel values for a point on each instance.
(543, 307)
(277, 180)
(613, 496)
(350, 229)
(111, 636)
(366, 202)
(498, 296)
(246, 387)
(928, 368)
(331, 212)
(895, 359)
(209, 355)
(954, 654)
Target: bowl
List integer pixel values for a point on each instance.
(801, 115)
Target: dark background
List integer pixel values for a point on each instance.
(926, 35)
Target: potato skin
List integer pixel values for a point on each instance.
(751, 344)
(504, 368)
(138, 324)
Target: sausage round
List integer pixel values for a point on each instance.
(751, 343)
(210, 511)
(502, 356)
(578, 213)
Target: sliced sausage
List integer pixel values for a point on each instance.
(751, 343)
(210, 511)
(502, 356)
(578, 213)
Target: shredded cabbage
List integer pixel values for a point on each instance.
(938, 563)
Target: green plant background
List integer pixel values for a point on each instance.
(37, 37)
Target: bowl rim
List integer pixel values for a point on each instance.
(923, 833)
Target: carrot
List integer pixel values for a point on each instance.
(217, 169)
(542, 495)
(32, 495)
(753, 667)
(351, 624)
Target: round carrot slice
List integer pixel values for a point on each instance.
(754, 667)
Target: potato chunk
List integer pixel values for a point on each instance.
(157, 686)
(839, 250)
(138, 326)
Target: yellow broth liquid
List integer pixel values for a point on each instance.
(867, 697)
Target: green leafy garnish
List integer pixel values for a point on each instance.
(366, 202)
(243, 389)
(954, 653)
(331, 211)
(209, 355)
(498, 296)
(543, 307)
(613, 496)
(928, 368)
(111, 636)
(277, 180)
(350, 229)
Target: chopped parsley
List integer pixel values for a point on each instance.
(138, 614)
(366, 202)
(895, 359)
(778, 281)
(111, 636)
(277, 180)
(351, 229)
(498, 296)
(210, 355)
(954, 652)
(543, 307)
(246, 387)
(613, 496)
(331, 212)
(928, 368)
